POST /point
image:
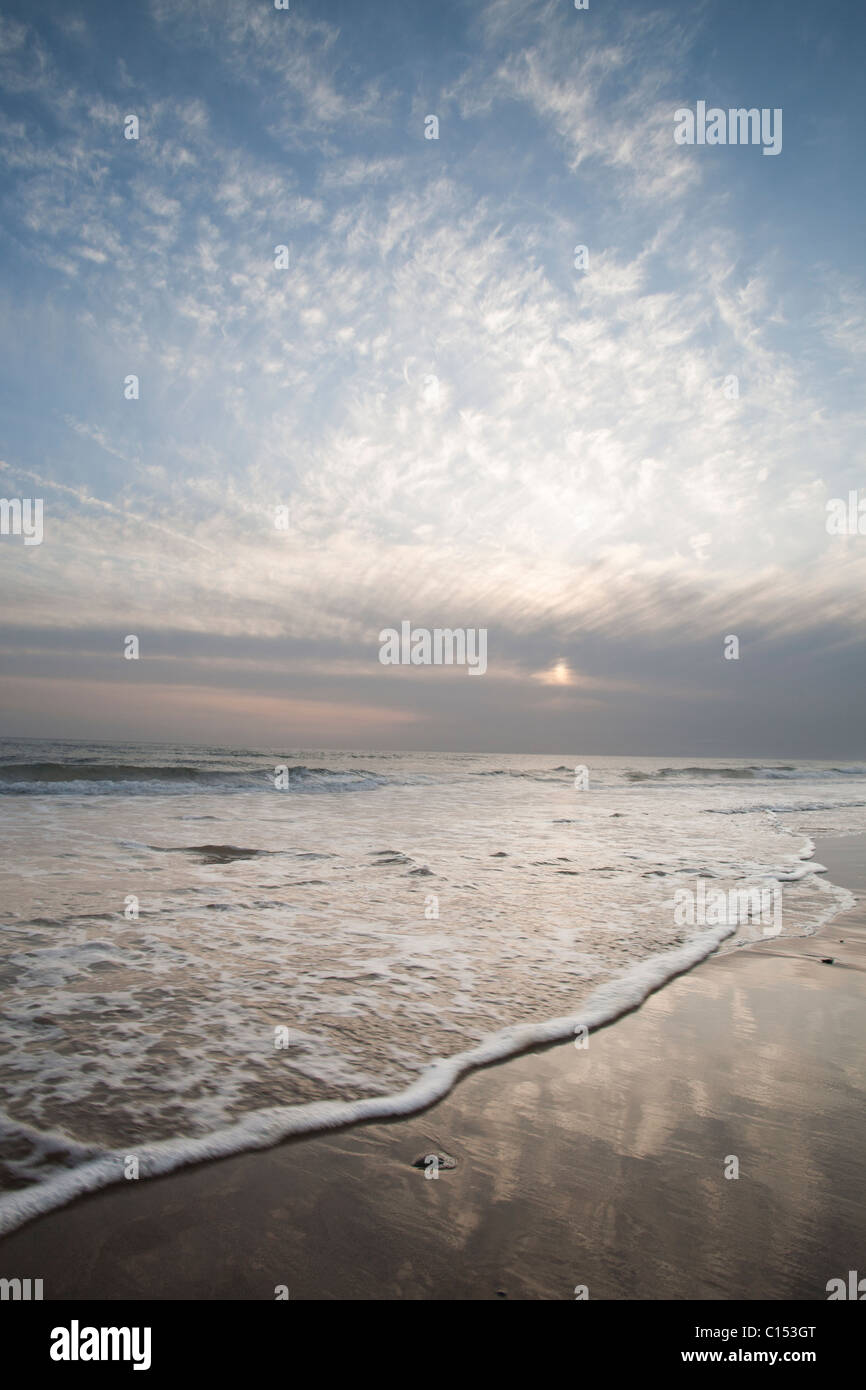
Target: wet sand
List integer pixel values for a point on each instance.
(602, 1167)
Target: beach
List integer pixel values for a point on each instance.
(600, 1170)
(432, 786)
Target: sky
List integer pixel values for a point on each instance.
(611, 461)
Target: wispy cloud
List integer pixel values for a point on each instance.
(466, 425)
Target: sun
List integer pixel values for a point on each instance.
(560, 673)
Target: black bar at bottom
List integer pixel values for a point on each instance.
(163, 1339)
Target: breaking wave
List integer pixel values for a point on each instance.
(23, 779)
(755, 772)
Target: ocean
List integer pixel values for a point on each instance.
(203, 950)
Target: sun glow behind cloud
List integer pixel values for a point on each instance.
(559, 674)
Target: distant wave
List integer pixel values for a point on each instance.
(101, 772)
(661, 773)
(23, 778)
(752, 772)
(86, 777)
(528, 774)
(756, 771)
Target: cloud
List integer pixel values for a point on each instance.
(469, 428)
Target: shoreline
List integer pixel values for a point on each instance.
(320, 1214)
(264, 1128)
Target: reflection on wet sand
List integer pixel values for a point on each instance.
(603, 1166)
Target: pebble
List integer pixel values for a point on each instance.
(446, 1162)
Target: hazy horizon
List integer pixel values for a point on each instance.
(505, 753)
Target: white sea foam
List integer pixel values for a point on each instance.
(263, 1128)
